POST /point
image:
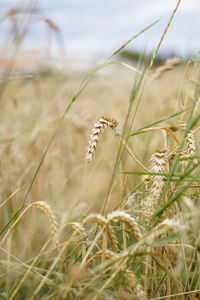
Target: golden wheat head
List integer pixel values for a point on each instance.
(95, 134)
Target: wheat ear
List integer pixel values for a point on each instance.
(77, 227)
(95, 134)
(107, 253)
(190, 149)
(129, 220)
(51, 217)
(101, 220)
(160, 165)
(132, 283)
(169, 64)
(191, 146)
(168, 224)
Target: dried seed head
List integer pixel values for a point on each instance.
(96, 218)
(112, 237)
(191, 145)
(176, 225)
(173, 127)
(131, 201)
(108, 254)
(160, 165)
(95, 134)
(190, 149)
(163, 227)
(77, 227)
(173, 61)
(51, 217)
(168, 65)
(101, 220)
(131, 284)
(126, 218)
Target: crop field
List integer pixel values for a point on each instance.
(99, 180)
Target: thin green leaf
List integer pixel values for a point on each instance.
(167, 239)
(139, 131)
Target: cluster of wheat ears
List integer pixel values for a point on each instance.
(145, 234)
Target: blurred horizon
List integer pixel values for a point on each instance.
(91, 29)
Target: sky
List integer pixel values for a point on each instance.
(95, 28)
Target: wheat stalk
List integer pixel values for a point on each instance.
(95, 134)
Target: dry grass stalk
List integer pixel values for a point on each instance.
(160, 160)
(129, 220)
(168, 65)
(101, 220)
(51, 217)
(95, 134)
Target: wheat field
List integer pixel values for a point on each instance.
(100, 183)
